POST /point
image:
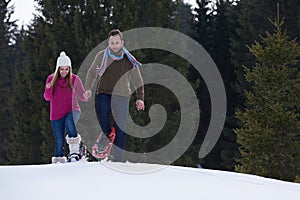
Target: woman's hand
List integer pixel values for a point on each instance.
(87, 94)
(48, 85)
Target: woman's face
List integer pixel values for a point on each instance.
(63, 71)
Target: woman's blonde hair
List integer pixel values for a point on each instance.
(57, 75)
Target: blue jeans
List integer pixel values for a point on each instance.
(76, 116)
(59, 126)
(119, 105)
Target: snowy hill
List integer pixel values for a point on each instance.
(105, 180)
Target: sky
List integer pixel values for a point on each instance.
(106, 180)
(24, 10)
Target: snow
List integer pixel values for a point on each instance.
(107, 180)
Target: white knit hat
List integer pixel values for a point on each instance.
(63, 60)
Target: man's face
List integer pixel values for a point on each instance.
(115, 43)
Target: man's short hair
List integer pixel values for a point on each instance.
(115, 32)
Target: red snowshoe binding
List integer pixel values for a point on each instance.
(103, 144)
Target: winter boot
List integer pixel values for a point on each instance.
(63, 159)
(73, 147)
(56, 160)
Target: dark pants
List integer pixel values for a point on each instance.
(119, 105)
(59, 126)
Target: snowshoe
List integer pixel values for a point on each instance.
(82, 150)
(103, 145)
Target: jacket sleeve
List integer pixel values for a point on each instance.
(79, 89)
(138, 81)
(48, 92)
(91, 74)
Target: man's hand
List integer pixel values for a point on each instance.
(139, 105)
(87, 94)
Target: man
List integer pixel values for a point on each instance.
(111, 64)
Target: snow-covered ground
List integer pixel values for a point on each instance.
(106, 180)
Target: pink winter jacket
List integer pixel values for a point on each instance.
(64, 100)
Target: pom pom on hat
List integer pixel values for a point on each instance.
(63, 60)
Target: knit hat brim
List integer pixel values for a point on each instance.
(63, 60)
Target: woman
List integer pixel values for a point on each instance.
(62, 90)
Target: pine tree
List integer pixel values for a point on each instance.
(270, 122)
(72, 26)
(213, 29)
(219, 49)
(251, 19)
(202, 23)
(185, 18)
(7, 34)
(200, 31)
(126, 15)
